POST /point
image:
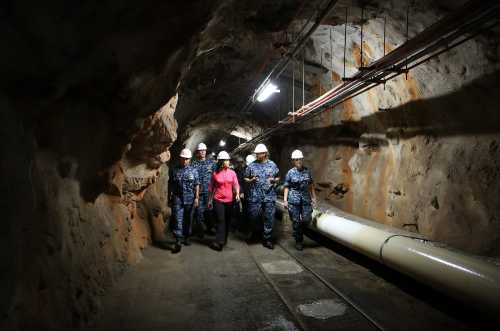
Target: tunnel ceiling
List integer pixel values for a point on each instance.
(244, 40)
(239, 44)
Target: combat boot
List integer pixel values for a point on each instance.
(268, 244)
(177, 247)
(299, 246)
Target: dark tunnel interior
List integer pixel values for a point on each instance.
(394, 105)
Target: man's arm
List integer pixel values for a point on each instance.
(285, 197)
(312, 191)
(196, 195)
(236, 186)
(248, 177)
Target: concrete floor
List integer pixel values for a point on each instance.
(248, 287)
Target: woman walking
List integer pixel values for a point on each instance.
(299, 197)
(223, 190)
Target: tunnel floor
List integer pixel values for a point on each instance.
(248, 287)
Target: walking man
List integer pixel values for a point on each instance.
(262, 177)
(184, 186)
(205, 168)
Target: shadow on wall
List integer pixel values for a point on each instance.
(431, 166)
(473, 110)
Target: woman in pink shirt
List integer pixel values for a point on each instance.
(223, 190)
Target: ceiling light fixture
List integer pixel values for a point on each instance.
(266, 92)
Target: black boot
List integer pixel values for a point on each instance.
(268, 244)
(252, 238)
(215, 246)
(299, 246)
(177, 247)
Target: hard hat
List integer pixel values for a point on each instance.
(260, 148)
(296, 154)
(186, 153)
(223, 155)
(250, 158)
(201, 147)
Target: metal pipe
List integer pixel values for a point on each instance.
(407, 25)
(303, 81)
(345, 38)
(361, 44)
(384, 41)
(467, 278)
(293, 90)
(331, 57)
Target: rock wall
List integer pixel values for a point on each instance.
(62, 251)
(86, 103)
(420, 153)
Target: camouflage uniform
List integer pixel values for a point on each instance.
(205, 169)
(299, 200)
(240, 221)
(262, 194)
(182, 183)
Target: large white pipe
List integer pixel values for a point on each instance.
(467, 278)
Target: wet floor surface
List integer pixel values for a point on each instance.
(248, 287)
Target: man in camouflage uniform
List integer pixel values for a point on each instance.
(299, 197)
(261, 177)
(205, 168)
(184, 185)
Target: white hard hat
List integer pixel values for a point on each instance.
(223, 155)
(201, 147)
(260, 148)
(186, 153)
(250, 158)
(296, 154)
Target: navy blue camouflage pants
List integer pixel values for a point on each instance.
(268, 209)
(301, 216)
(183, 215)
(200, 212)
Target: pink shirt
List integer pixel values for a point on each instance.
(222, 184)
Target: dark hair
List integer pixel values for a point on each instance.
(220, 164)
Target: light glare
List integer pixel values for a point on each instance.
(267, 91)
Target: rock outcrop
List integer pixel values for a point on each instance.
(86, 101)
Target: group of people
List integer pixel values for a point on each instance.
(206, 185)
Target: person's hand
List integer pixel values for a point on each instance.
(242, 195)
(237, 198)
(314, 202)
(285, 204)
(210, 204)
(196, 202)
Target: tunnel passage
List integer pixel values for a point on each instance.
(97, 101)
